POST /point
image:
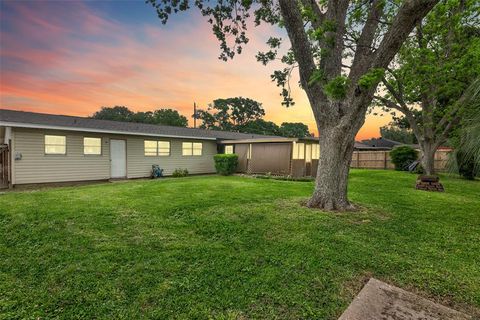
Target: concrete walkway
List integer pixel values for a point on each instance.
(380, 301)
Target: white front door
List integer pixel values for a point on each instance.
(118, 159)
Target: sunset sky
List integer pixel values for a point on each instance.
(69, 57)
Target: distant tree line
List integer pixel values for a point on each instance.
(232, 114)
(168, 117)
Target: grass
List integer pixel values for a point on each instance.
(232, 248)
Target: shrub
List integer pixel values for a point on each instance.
(226, 164)
(466, 165)
(177, 173)
(402, 157)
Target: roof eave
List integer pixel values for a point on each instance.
(81, 129)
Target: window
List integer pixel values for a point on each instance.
(55, 144)
(150, 148)
(308, 153)
(298, 151)
(163, 148)
(249, 152)
(316, 151)
(92, 146)
(192, 148)
(157, 148)
(229, 149)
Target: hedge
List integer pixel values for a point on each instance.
(226, 164)
(403, 156)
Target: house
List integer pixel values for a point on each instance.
(381, 143)
(45, 148)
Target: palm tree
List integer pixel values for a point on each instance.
(466, 157)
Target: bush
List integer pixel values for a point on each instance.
(226, 164)
(178, 173)
(403, 156)
(466, 165)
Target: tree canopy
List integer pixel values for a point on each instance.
(168, 117)
(230, 114)
(433, 70)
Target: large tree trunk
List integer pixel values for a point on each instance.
(336, 150)
(428, 157)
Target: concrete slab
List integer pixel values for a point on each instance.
(381, 301)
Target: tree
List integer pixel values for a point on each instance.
(434, 68)
(117, 113)
(340, 48)
(168, 117)
(465, 159)
(228, 114)
(393, 132)
(259, 126)
(294, 130)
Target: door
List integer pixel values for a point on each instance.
(118, 159)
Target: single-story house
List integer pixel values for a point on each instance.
(45, 148)
(381, 143)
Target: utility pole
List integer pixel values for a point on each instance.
(194, 115)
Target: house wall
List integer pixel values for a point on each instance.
(242, 151)
(36, 167)
(271, 158)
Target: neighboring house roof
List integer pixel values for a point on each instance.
(381, 143)
(50, 121)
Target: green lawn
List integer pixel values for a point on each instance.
(232, 248)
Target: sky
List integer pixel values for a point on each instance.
(73, 57)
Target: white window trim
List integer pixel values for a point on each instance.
(45, 145)
(93, 154)
(229, 146)
(157, 148)
(192, 148)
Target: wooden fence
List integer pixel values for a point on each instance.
(381, 160)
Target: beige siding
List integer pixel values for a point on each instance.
(36, 167)
(139, 165)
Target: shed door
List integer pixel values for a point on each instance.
(118, 159)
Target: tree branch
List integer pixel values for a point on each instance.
(407, 112)
(337, 12)
(364, 44)
(409, 14)
(299, 39)
(316, 10)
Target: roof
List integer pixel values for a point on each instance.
(259, 140)
(381, 143)
(52, 121)
(268, 139)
